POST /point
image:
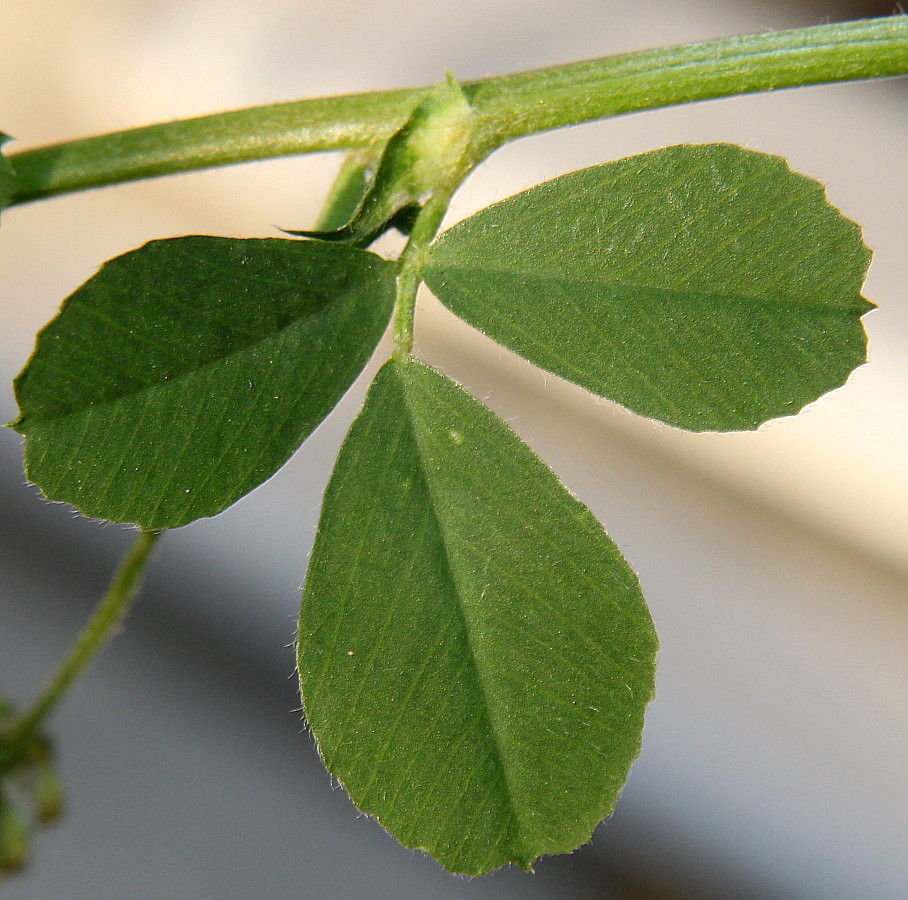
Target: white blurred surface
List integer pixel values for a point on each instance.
(775, 562)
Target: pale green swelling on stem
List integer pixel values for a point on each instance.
(109, 612)
(475, 655)
(507, 107)
(433, 149)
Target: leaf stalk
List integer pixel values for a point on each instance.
(410, 269)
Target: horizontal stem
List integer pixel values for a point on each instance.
(507, 106)
(262, 132)
(540, 100)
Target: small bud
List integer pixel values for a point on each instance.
(13, 839)
(48, 795)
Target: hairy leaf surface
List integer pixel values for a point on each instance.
(707, 286)
(475, 655)
(187, 372)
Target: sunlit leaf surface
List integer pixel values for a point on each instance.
(475, 654)
(707, 286)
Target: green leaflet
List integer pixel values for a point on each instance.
(187, 372)
(7, 176)
(475, 655)
(707, 286)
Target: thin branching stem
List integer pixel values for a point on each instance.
(107, 615)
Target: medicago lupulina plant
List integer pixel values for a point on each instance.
(475, 655)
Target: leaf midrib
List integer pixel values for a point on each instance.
(186, 374)
(761, 301)
(451, 576)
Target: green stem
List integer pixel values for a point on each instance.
(507, 107)
(107, 615)
(264, 132)
(410, 263)
(551, 98)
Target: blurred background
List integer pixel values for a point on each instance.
(775, 563)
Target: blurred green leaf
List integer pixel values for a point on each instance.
(475, 655)
(187, 372)
(707, 286)
(7, 175)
